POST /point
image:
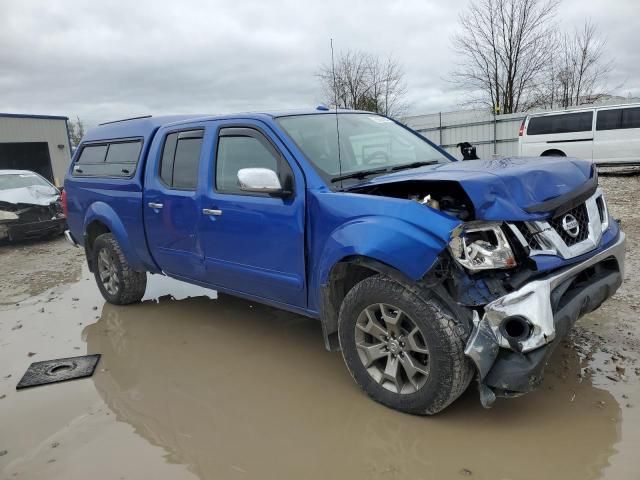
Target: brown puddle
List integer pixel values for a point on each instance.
(231, 389)
(234, 389)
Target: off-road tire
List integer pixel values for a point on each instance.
(131, 284)
(450, 370)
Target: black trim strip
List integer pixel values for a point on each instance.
(572, 140)
(564, 203)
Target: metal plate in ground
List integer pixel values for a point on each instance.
(60, 370)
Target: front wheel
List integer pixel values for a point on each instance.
(401, 349)
(118, 283)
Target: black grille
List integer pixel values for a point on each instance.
(529, 236)
(580, 214)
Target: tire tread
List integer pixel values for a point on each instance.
(133, 284)
(451, 344)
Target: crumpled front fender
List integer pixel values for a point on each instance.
(394, 242)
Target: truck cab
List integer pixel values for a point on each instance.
(425, 272)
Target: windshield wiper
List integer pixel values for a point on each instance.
(361, 174)
(365, 173)
(413, 165)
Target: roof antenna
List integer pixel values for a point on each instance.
(335, 101)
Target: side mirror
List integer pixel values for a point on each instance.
(259, 180)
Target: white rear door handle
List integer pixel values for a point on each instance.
(155, 205)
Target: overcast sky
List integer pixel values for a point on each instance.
(104, 60)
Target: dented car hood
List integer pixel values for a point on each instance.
(33, 195)
(515, 188)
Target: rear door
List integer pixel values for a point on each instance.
(171, 203)
(254, 243)
(617, 135)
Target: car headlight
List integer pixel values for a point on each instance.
(4, 215)
(481, 246)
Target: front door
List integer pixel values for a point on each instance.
(171, 208)
(254, 243)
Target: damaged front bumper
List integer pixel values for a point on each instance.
(21, 221)
(549, 306)
(25, 231)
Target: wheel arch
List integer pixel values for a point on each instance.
(101, 218)
(92, 231)
(553, 152)
(371, 245)
(342, 277)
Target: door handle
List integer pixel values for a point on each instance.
(210, 211)
(155, 205)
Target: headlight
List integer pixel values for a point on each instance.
(481, 246)
(7, 216)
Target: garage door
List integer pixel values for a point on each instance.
(32, 156)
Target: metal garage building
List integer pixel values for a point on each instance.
(35, 142)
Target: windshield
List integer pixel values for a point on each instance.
(367, 142)
(19, 180)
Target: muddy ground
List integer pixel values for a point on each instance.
(190, 386)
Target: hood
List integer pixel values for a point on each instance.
(519, 188)
(33, 195)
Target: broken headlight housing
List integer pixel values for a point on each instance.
(481, 246)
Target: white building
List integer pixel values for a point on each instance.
(39, 143)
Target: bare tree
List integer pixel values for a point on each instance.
(578, 74)
(505, 47)
(364, 82)
(76, 131)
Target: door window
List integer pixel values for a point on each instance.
(562, 123)
(180, 159)
(630, 118)
(236, 151)
(619, 118)
(608, 119)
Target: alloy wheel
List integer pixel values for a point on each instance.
(108, 272)
(392, 348)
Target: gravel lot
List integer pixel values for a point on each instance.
(190, 386)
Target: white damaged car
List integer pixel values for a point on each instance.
(30, 206)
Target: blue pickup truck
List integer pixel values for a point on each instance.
(424, 271)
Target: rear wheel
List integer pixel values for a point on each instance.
(118, 283)
(401, 349)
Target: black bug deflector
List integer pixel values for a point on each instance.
(60, 370)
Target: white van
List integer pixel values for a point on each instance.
(608, 135)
